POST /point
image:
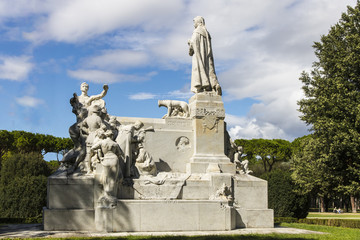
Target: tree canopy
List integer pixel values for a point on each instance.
(331, 104)
(24, 142)
(267, 151)
(23, 182)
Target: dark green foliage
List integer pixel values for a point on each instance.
(21, 165)
(37, 219)
(331, 104)
(23, 197)
(346, 223)
(24, 142)
(23, 185)
(283, 197)
(264, 154)
(53, 165)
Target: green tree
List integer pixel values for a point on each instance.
(265, 151)
(24, 142)
(6, 142)
(283, 197)
(23, 185)
(331, 104)
(310, 168)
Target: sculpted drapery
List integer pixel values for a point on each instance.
(203, 77)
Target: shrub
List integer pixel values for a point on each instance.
(23, 185)
(347, 223)
(282, 196)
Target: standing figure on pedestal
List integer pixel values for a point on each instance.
(87, 100)
(89, 127)
(125, 140)
(203, 77)
(111, 161)
(84, 106)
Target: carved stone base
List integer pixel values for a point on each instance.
(71, 204)
(254, 218)
(162, 216)
(206, 167)
(69, 219)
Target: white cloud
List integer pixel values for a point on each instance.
(142, 96)
(260, 47)
(23, 8)
(15, 68)
(77, 20)
(118, 58)
(28, 101)
(98, 76)
(179, 94)
(248, 128)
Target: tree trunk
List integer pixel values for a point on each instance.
(322, 204)
(264, 164)
(353, 204)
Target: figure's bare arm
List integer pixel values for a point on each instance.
(99, 96)
(191, 48)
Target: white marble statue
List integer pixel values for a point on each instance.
(87, 100)
(203, 77)
(175, 108)
(82, 106)
(144, 161)
(89, 126)
(111, 161)
(125, 140)
(242, 166)
(223, 193)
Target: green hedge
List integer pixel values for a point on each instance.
(347, 223)
(281, 195)
(37, 219)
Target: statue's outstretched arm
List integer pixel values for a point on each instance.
(99, 96)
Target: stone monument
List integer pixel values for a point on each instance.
(180, 172)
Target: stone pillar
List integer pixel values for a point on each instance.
(208, 113)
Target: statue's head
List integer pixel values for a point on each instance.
(138, 124)
(84, 87)
(199, 21)
(109, 134)
(100, 133)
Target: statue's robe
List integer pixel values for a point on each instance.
(203, 77)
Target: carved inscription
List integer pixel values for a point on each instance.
(202, 112)
(178, 123)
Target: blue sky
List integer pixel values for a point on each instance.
(139, 48)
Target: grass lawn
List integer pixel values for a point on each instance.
(334, 215)
(331, 233)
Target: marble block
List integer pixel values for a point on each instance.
(160, 216)
(70, 192)
(69, 219)
(250, 192)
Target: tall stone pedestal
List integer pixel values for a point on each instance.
(208, 113)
